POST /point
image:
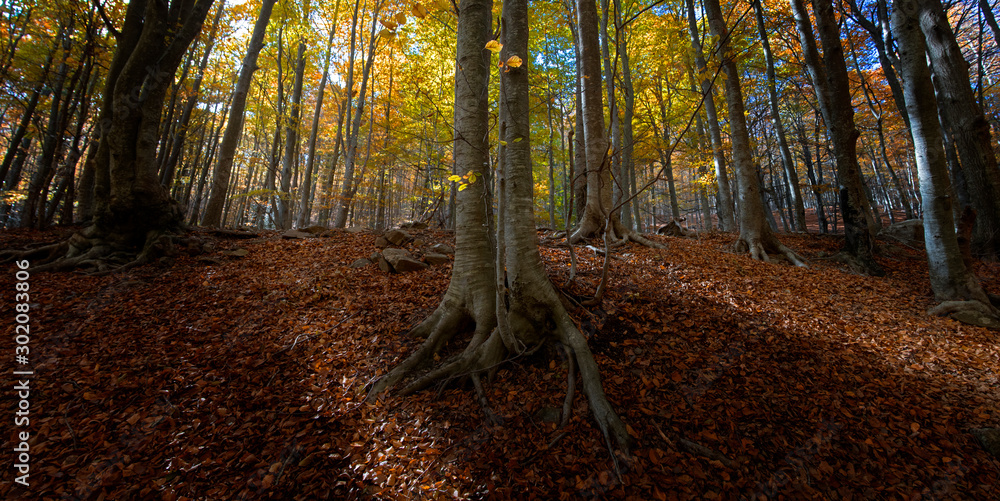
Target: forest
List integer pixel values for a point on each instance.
(478, 249)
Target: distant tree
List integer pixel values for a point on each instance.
(234, 126)
(756, 237)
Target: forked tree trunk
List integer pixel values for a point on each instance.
(516, 309)
(833, 91)
(756, 236)
(951, 280)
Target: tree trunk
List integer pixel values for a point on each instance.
(354, 129)
(798, 208)
(289, 160)
(173, 153)
(756, 236)
(308, 182)
(966, 124)
(833, 91)
(598, 168)
(724, 196)
(234, 126)
(950, 279)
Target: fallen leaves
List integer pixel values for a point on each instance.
(245, 379)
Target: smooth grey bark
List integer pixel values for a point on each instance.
(965, 124)
(798, 207)
(830, 80)
(755, 236)
(234, 126)
(598, 169)
(664, 149)
(724, 198)
(630, 212)
(470, 298)
(949, 276)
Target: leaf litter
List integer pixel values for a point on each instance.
(738, 380)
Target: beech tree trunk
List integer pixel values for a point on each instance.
(598, 167)
(950, 278)
(756, 236)
(234, 127)
(724, 195)
(965, 124)
(829, 77)
(798, 208)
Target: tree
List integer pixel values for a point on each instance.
(234, 127)
(951, 279)
(134, 215)
(830, 80)
(756, 237)
(727, 221)
(513, 306)
(787, 163)
(965, 123)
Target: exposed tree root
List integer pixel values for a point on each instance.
(486, 351)
(100, 253)
(969, 312)
(759, 249)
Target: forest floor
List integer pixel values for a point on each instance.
(243, 379)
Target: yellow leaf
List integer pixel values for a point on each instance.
(388, 35)
(494, 46)
(419, 10)
(443, 4)
(462, 187)
(503, 143)
(514, 62)
(455, 178)
(401, 18)
(389, 23)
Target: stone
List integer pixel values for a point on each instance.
(291, 234)
(419, 242)
(381, 242)
(402, 261)
(360, 263)
(989, 438)
(356, 229)
(435, 259)
(442, 249)
(416, 225)
(397, 237)
(314, 230)
(384, 265)
(238, 252)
